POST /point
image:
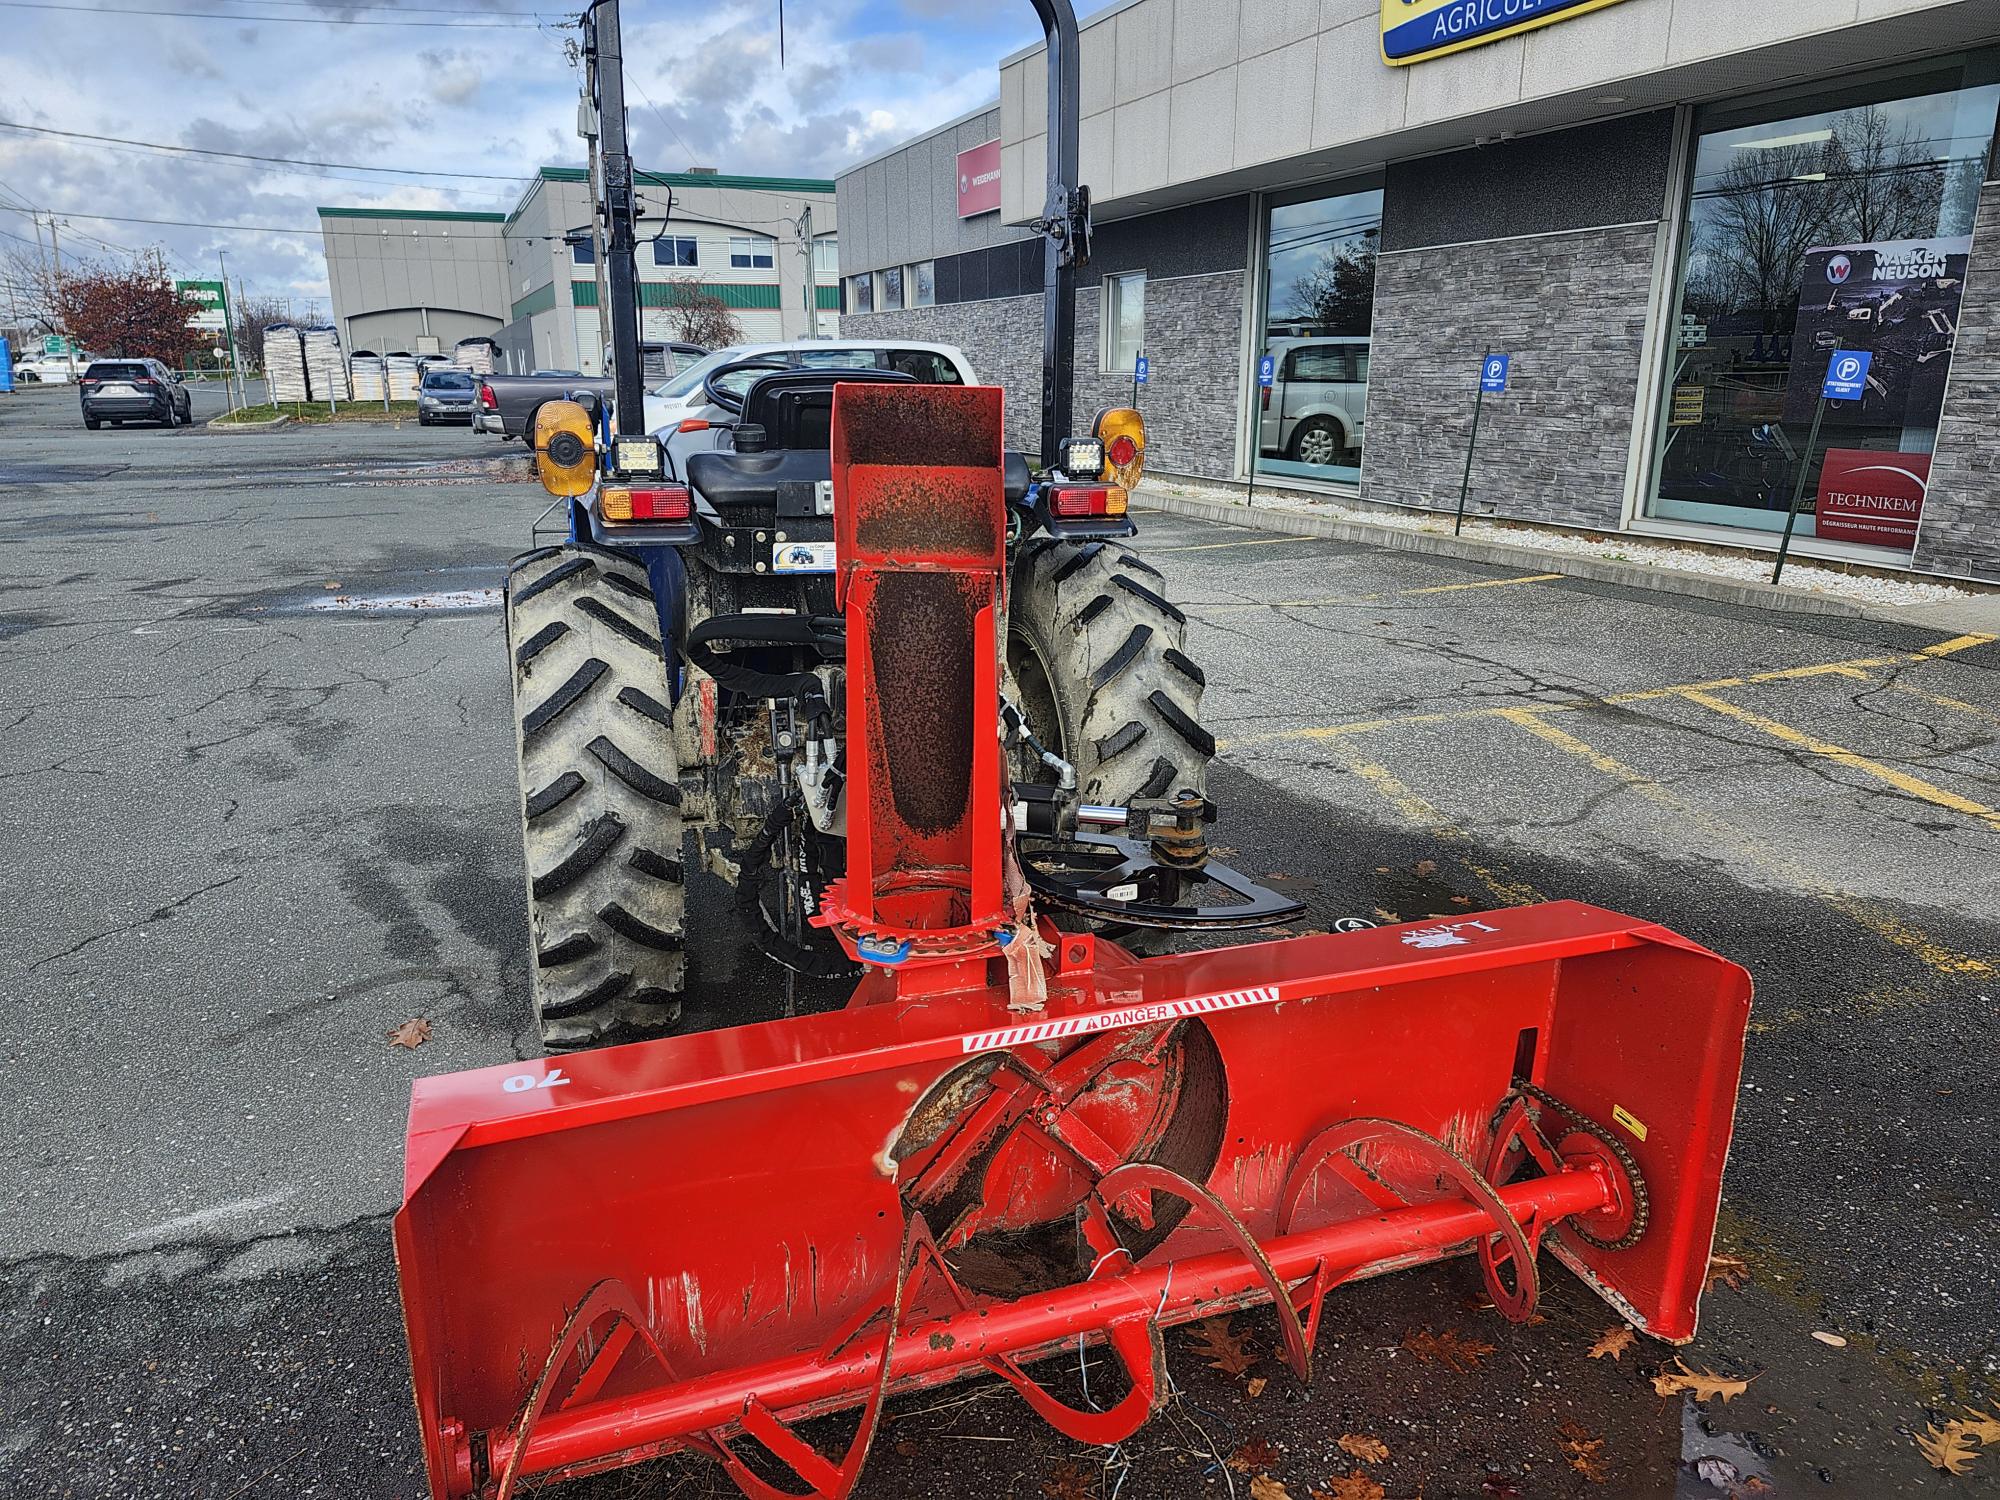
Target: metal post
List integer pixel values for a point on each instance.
(69, 343)
(1465, 484)
(1799, 489)
(812, 269)
(232, 386)
(620, 259)
(1064, 225)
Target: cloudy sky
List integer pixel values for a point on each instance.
(483, 87)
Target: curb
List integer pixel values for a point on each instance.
(278, 421)
(1532, 559)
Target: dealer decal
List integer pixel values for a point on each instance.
(1111, 1020)
(1413, 30)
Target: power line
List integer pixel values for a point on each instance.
(210, 15)
(290, 161)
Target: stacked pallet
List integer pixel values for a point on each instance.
(477, 356)
(326, 369)
(365, 375)
(403, 376)
(285, 363)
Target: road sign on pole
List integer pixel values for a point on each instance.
(1492, 377)
(1142, 370)
(1846, 375)
(1493, 373)
(1267, 370)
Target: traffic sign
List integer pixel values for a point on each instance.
(1493, 374)
(1142, 367)
(54, 344)
(1846, 375)
(1267, 370)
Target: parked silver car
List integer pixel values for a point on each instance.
(1313, 410)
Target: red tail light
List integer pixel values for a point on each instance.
(1122, 450)
(486, 397)
(1075, 501)
(671, 502)
(1266, 397)
(141, 380)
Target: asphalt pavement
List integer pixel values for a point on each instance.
(255, 734)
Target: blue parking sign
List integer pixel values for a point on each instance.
(1847, 375)
(1142, 367)
(1267, 370)
(1493, 373)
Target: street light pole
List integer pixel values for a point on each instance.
(234, 389)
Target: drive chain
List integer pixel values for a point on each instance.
(1641, 1202)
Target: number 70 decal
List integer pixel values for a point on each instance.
(521, 1083)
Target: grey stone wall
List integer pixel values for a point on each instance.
(1193, 329)
(1571, 309)
(1960, 532)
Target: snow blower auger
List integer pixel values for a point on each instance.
(1016, 1139)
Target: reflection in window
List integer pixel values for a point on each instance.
(582, 253)
(675, 250)
(1124, 321)
(892, 289)
(1844, 226)
(862, 293)
(1319, 310)
(923, 283)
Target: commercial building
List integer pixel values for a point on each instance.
(420, 281)
(1317, 217)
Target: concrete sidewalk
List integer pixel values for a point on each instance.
(1979, 613)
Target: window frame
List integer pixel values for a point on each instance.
(1111, 310)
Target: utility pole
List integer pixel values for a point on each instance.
(621, 271)
(55, 248)
(229, 333)
(805, 230)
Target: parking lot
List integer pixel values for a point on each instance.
(255, 731)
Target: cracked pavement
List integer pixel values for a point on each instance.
(246, 838)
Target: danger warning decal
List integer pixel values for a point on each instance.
(1110, 1020)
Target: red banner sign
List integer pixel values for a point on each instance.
(1871, 496)
(979, 180)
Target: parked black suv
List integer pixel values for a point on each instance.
(132, 390)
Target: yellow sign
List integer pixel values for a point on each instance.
(1690, 404)
(1415, 30)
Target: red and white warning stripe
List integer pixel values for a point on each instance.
(1111, 1020)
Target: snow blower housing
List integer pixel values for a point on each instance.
(952, 748)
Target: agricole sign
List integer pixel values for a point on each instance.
(1413, 30)
(979, 180)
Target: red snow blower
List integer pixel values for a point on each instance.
(1017, 1140)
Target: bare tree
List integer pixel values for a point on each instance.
(29, 286)
(1888, 184)
(253, 316)
(1765, 211)
(695, 315)
(1338, 293)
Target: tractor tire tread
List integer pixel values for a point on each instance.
(600, 788)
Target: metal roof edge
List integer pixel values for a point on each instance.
(410, 213)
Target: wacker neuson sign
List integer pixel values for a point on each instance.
(1413, 30)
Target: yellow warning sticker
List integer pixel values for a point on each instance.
(1629, 1120)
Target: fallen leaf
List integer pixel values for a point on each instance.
(1981, 1426)
(1264, 1487)
(1256, 1386)
(1449, 1348)
(1071, 1481)
(1501, 1486)
(1700, 1384)
(1614, 1343)
(1427, 868)
(1387, 916)
(331, 584)
(1222, 1349)
(1461, 901)
(1949, 1448)
(413, 1033)
(1584, 1453)
(906, 1448)
(1381, 869)
(1253, 1453)
(1370, 1450)
(1833, 1340)
(1353, 1486)
(1731, 1270)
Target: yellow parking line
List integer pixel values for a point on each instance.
(1883, 924)
(1443, 588)
(1418, 811)
(1262, 541)
(1910, 785)
(1957, 705)
(1957, 643)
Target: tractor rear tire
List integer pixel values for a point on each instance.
(600, 787)
(1098, 656)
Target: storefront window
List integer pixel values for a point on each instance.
(923, 283)
(1124, 321)
(1831, 222)
(1319, 308)
(863, 299)
(892, 289)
